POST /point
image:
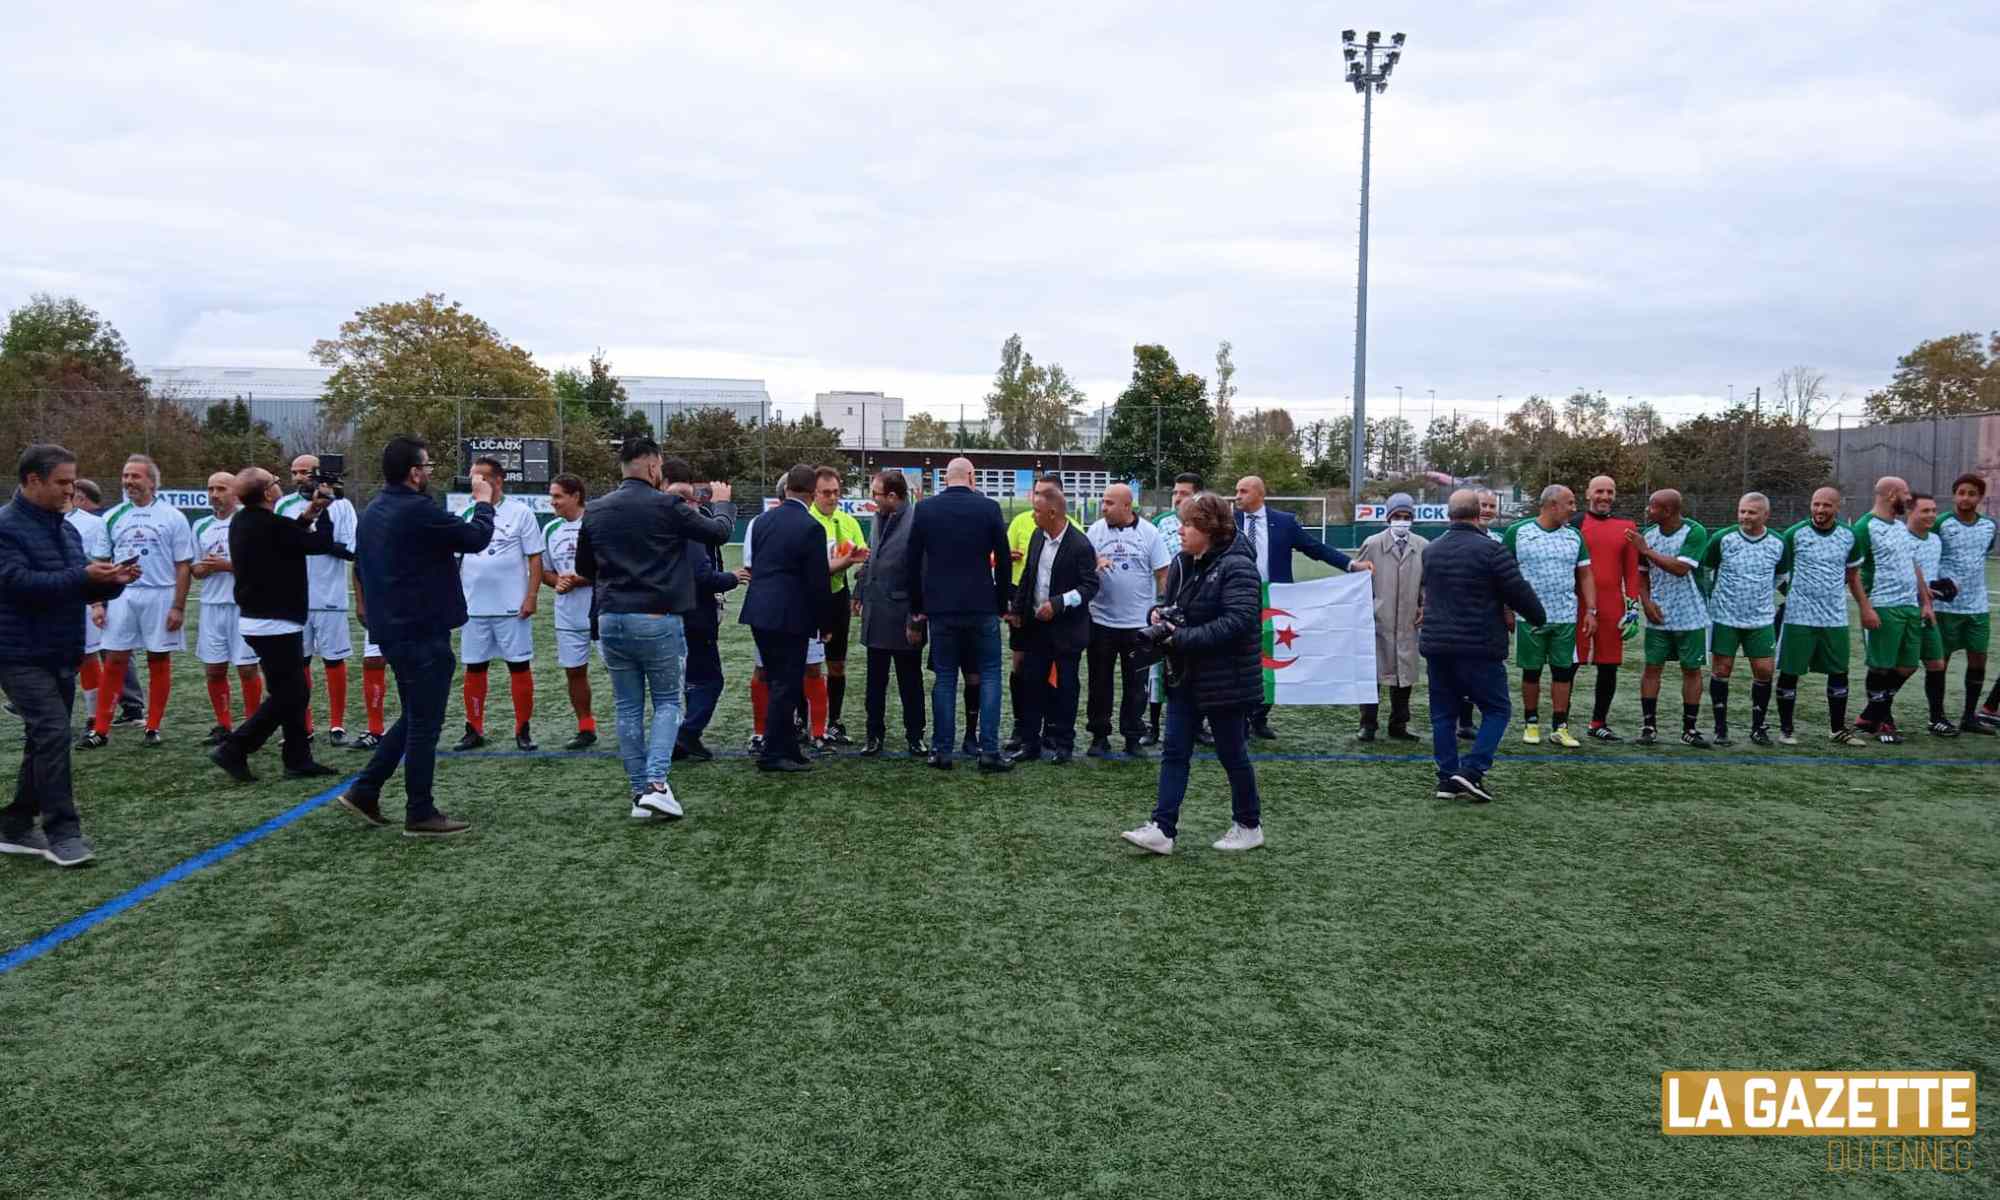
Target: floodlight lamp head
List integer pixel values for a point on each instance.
(1397, 39)
(1381, 85)
(1347, 35)
(1394, 57)
(1374, 38)
(1349, 53)
(1360, 85)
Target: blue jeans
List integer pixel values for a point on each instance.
(645, 650)
(1231, 727)
(965, 642)
(704, 685)
(1457, 681)
(423, 668)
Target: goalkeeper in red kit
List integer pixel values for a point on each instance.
(1614, 568)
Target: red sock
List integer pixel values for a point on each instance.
(89, 675)
(760, 698)
(475, 700)
(218, 699)
(159, 684)
(522, 685)
(253, 693)
(816, 704)
(375, 695)
(108, 688)
(586, 724)
(336, 694)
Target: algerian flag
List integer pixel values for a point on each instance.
(1319, 641)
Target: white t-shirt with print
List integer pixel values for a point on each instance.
(496, 578)
(157, 535)
(573, 606)
(1126, 590)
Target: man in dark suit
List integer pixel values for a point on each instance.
(785, 608)
(704, 635)
(958, 577)
(884, 606)
(1273, 536)
(1051, 608)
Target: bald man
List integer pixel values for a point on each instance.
(1895, 606)
(1742, 611)
(1132, 560)
(1556, 563)
(1670, 548)
(1820, 569)
(1614, 571)
(326, 632)
(218, 640)
(959, 579)
(1272, 536)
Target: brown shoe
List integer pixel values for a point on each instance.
(365, 807)
(436, 825)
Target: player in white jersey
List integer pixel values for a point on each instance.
(1820, 569)
(327, 637)
(218, 642)
(1963, 620)
(96, 548)
(1922, 522)
(1186, 484)
(1555, 561)
(1742, 610)
(502, 583)
(150, 613)
(814, 693)
(573, 600)
(1895, 606)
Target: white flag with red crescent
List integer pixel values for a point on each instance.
(1319, 641)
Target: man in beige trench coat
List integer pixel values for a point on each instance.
(1398, 556)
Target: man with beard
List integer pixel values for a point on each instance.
(1894, 607)
(1820, 568)
(1742, 609)
(1614, 571)
(1963, 621)
(1671, 547)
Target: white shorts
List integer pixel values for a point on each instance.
(488, 638)
(370, 650)
(93, 637)
(815, 653)
(327, 636)
(137, 620)
(217, 639)
(572, 648)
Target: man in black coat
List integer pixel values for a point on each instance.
(1051, 608)
(704, 636)
(784, 608)
(268, 554)
(884, 605)
(959, 576)
(1470, 581)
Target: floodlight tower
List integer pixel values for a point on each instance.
(1369, 74)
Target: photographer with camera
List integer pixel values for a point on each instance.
(1208, 631)
(326, 631)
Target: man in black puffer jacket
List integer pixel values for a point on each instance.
(1470, 581)
(1215, 671)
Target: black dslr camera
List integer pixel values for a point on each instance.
(1155, 640)
(329, 474)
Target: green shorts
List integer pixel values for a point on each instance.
(1970, 632)
(1815, 649)
(1899, 643)
(1930, 642)
(1729, 641)
(1687, 646)
(1551, 645)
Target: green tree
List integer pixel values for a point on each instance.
(1276, 463)
(431, 368)
(65, 377)
(1033, 407)
(596, 419)
(231, 440)
(1942, 377)
(1707, 456)
(1162, 424)
(925, 431)
(1461, 446)
(807, 440)
(716, 444)
(1225, 395)
(1392, 446)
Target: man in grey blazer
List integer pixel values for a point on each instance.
(884, 607)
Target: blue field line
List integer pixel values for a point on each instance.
(22, 955)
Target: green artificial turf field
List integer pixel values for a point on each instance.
(881, 980)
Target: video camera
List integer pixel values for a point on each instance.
(329, 474)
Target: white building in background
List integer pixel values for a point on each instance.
(865, 419)
(663, 397)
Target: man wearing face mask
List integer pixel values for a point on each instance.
(1397, 555)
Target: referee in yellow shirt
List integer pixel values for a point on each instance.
(845, 546)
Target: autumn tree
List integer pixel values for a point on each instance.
(926, 432)
(715, 444)
(1942, 377)
(430, 368)
(231, 439)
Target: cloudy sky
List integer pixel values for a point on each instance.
(1656, 201)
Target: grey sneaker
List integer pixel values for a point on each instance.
(72, 851)
(29, 842)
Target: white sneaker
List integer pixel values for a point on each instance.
(1149, 837)
(1239, 838)
(659, 801)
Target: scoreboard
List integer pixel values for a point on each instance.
(524, 460)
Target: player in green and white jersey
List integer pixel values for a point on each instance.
(1963, 619)
(1821, 568)
(1742, 611)
(1186, 484)
(1930, 644)
(1670, 549)
(1895, 605)
(1556, 563)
